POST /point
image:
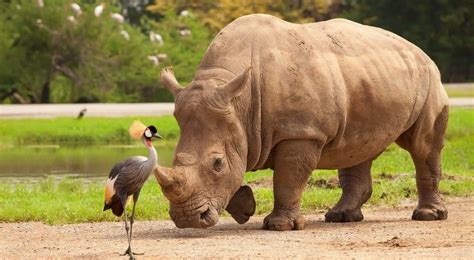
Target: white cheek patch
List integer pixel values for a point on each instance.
(148, 133)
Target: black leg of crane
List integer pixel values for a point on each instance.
(129, 249)
(132, 217)
(127, 229)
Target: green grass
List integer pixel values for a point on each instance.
(70, 201)
(76, 200)
(87, 131)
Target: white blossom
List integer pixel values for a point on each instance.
(154, 59)
(184, 13)
(117, 17)
(71, 19)
(99, 9)
(76, 8)
(184, 32)
(156, 37)
(125, 34)
(162, 56)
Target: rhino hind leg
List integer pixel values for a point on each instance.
(424, 141)
(356, 184)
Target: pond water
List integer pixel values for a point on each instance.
(82, 161)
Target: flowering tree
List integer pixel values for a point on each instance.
(60, 51)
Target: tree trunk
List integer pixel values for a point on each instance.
(45, 92)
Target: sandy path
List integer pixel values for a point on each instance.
(384, 233)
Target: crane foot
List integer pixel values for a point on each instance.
(131, 254)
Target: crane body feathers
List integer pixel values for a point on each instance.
(126, 179)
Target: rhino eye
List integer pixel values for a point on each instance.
(218, 164)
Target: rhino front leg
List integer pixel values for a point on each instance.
(293, 164)
(356, 184)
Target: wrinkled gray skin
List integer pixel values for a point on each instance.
(294, 98)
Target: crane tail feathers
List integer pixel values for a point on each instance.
(117, 209)
(115, 205)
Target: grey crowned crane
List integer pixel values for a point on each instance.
(127, 177)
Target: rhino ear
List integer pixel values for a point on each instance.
(236, 86)
(242, 205)
(168, 79)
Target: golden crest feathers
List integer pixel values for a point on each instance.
(136, 129)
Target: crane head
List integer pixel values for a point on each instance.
(151, 132)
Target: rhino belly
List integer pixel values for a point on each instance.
(353, 154)
(365, 131)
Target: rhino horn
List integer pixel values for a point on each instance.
(172, 182)
(168, 79)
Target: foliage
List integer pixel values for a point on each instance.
(184, 52)
(76, 57)
(443, 29)
(217, 14)
(51, 54)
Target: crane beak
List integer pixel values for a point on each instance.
(157, 136)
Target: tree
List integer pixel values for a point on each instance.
(443, 29)
(217, 14)
(51, 54)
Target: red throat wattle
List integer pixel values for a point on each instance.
(148, 142)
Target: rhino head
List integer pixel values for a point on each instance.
(211, 154)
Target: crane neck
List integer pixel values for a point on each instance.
(152, 154)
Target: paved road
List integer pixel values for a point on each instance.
(461, 102)
(94, 110)
(116, 110)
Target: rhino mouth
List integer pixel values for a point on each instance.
(203, 216)
(209, 217)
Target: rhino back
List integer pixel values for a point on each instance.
(349, 87)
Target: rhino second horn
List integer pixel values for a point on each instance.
(168, 79)
(236, 86)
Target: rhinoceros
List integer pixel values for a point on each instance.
(269, 94)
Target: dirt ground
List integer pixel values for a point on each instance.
(385, 232)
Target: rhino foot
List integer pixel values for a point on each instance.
(436, 213)
(344, 215)
(284, 220)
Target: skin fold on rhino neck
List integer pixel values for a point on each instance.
(248, 109)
